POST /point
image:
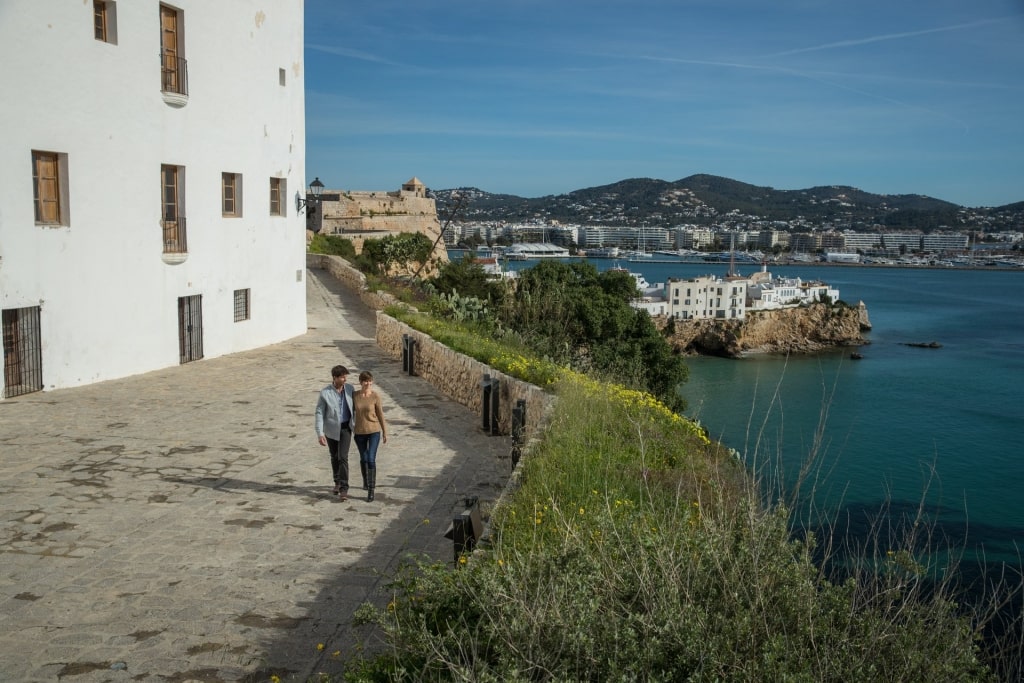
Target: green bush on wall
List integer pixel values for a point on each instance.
(332, 245)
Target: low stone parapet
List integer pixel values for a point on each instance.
(456, 375)
(462, 378)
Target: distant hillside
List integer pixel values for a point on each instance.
(707, 199)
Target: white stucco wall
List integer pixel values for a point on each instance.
(108, 300)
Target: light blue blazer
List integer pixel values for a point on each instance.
(328, 412)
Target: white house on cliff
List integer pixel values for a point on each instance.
(151, 157)
(730, 298)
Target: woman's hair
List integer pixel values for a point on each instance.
(365, 375)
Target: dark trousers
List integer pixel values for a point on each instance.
(339, 458)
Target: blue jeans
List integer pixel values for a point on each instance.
(367, 445)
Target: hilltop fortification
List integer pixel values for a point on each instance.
(362, 215)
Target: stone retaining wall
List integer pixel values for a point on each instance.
(456, 375)
(461, 378)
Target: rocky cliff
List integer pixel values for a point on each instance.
(805, 329)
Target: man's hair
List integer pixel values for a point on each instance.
(338, 371)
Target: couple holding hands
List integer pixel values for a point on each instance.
(342, 413)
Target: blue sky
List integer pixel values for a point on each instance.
(540, 97)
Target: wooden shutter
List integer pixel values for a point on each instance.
(169, 47)
(275, 197)
(99, 9)
(46, 177)
(228, 194)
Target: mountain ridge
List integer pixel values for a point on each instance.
(709, 199)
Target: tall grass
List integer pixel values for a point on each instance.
(637, 549)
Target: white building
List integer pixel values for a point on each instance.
(841, 257)
(730, 298)
(944, 241)
(152, 155)
(765, 292)
(650, 298)
(694, 238)
(706, 297)
(534, 250)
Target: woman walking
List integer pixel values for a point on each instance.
(370, 430)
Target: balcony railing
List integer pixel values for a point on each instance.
(174, 74)
(174, 236)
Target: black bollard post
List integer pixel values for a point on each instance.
(518, 421)
(485, 404)
(495, 405)
(466, 528)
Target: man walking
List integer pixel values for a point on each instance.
(334, 422)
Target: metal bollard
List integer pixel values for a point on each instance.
(466, 528)
(485, 404)
(518, 425)
(408, 354)
(495, 405)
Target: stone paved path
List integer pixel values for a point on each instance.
(178, 525)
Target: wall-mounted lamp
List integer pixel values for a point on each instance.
(315, 188)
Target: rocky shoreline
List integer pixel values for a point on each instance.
(805, 329)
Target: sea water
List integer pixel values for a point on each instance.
(904, 428)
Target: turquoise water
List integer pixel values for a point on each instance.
(902, 426)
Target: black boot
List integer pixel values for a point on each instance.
(371, 481)
(362, 468)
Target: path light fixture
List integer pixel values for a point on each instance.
(312, 197)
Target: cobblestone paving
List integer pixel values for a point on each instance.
(178, 525)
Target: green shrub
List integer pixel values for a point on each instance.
(332, 245)
(635, 550)
(403, 249)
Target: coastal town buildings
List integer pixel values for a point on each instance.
(796, 244)
(944, 242)
(694, 238)
(633, 238)
(152, 158)
(710, 297)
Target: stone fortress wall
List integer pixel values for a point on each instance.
(362, 215)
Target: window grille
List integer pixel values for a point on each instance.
(190, 328)
(241, 305)
(23, 358)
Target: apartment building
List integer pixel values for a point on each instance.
(151, 159)
(707, 296)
